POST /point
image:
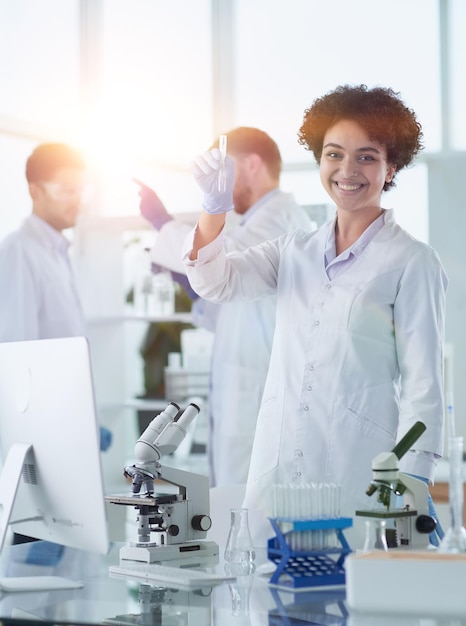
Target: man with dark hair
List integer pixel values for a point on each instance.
(47, 158)
(39, 296)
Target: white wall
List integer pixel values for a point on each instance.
(447, 217)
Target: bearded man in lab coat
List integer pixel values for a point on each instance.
(243, 330)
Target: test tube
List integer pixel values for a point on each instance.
(222, 177)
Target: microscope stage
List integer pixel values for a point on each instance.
(138, 500)
(382, 514)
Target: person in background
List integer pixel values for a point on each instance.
(243, 330)
(357, 355)
(40, 299)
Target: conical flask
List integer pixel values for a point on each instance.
(239, 548)
(375, 535)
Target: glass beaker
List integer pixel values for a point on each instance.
(375, 535)
(239, 548)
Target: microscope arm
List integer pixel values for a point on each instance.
(193, 488)
(416, 494)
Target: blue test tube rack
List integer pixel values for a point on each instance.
(308, 568)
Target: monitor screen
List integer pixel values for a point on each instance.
(51, 484)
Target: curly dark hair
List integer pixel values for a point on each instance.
(381, 113)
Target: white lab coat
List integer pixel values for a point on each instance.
(242, 342)
(355, 360)
(39, 299)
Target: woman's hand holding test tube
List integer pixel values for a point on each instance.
(214, 173)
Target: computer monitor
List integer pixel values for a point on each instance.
(51, 483)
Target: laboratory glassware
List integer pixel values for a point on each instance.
(375, 535)
(239, 548)
(454, 540)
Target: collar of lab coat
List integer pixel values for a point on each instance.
(360, 244)
(249, 213)
(48, 235)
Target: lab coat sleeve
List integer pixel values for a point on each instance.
(19, 310)
(243, 275)
(419, 322)
(168, 244)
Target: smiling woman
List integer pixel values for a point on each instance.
(360, 313)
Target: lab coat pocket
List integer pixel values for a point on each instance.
(266, 449)
(365, 424)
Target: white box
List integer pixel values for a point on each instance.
(406, 582)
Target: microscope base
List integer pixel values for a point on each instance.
(156, 553)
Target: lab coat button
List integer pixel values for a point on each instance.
(311, 368)
(306, 408)
(316, 323)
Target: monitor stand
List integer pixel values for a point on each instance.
(10, 477)
(9, 482)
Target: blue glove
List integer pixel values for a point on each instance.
(205, 169)
(105, 438)
(436, 535)
(44, 553)
(151, 206)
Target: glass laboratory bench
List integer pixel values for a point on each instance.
(104, 599)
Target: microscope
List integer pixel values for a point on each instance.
(178, 518)
(412, 521)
